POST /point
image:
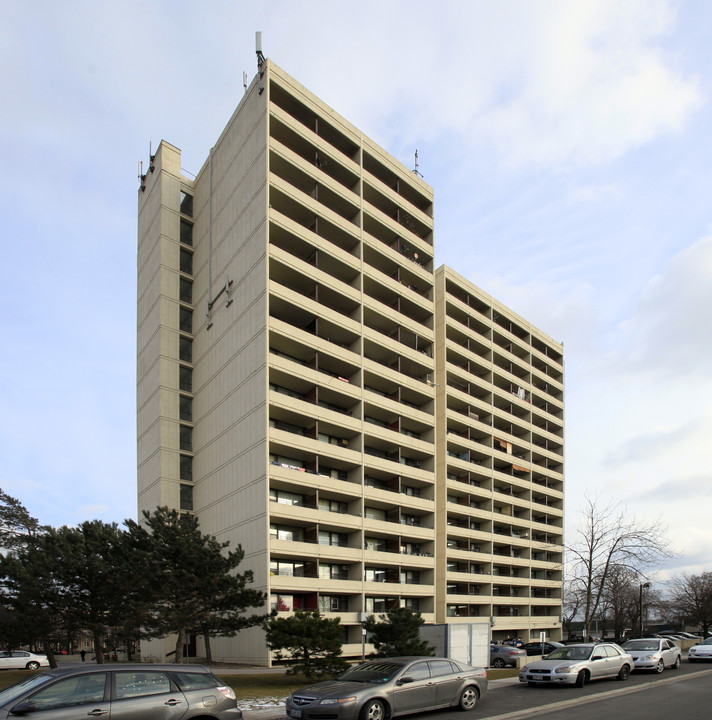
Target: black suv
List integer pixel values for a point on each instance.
(137, 691)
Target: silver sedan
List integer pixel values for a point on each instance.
(381, 689)
(577, 664)
(653, 653)
(504, 655)
(701, 651)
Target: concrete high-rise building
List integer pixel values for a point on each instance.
(373, 433)
(499, 470)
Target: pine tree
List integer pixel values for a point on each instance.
(311, 641)
(397, 633)
(195, 586)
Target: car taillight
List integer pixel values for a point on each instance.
(228, 692)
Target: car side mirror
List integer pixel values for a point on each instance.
(597, 657)
(23, 708)
(404, 680)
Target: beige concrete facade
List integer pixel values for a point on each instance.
(288, 319)
(499, 473)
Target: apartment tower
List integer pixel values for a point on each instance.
(372, 433)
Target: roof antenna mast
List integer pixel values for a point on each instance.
(260, 59)
(417, 164)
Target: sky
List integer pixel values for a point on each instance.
(568, 146)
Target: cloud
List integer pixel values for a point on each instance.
(596, 87)
(647, 446)
(555, 84)
(679, 489)
(670, 334)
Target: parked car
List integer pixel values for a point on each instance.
(505, 655)
(539, 648)
(132, 690)
(20, 659)
(653, 654)
(380, 689)
(577, 664)
(701, 651)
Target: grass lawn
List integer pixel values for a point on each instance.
(246, 687)
(10, 677)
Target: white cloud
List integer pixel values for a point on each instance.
(548, 83)
(670, 333)
(596, 86)
(529, 111)
(648, 446)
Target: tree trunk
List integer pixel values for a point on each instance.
(208, 651)
(180, 643)
(48, 652)
(98, 648)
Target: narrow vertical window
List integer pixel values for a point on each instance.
(186, 204)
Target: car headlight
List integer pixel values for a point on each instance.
(563, 669)
(337, 701)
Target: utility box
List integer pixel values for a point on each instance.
(466, 642)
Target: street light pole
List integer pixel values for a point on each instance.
(642, 585)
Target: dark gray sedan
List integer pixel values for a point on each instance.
(168, 692)
(541, 648)
(381, 689)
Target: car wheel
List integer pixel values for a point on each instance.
(624, 672)
(373, 710)
(582, 678)
(32, 665)
(468, 698)
(499, 663)
(660, 667)
(677, 663)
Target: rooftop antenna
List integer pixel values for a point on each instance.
(260, 59)
(244, 80)
(417, 164)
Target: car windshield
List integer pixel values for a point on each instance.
(641, 645)
(9, 694)
(708, 641)
(372, 672)
(570, 653)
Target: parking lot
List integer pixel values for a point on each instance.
(644, 695)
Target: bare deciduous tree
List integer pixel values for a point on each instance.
(622, 601)
(574, 600)
(691, 598)
(609, 537)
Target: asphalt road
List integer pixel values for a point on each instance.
(684, 694)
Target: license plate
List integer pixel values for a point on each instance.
(295, 713)
(537, 677)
